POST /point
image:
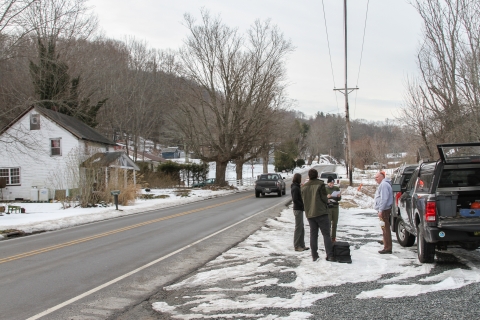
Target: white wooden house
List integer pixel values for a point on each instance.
(42, 149)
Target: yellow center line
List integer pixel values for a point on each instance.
(101, 235)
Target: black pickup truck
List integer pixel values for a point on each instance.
(269, 183)
(441, 204)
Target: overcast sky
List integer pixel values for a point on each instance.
(392, 36)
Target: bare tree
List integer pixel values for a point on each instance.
(54, 20)
(234, 83)
(443, 104)
(363, 152)
(139, 94)
(12, 28)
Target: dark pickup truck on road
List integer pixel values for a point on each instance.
(440, 205)
(269, 183)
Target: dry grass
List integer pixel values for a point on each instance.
(157, 181)
(368, 190)
(347, 204)
(183, 192)
(127, 195)
(216, 188)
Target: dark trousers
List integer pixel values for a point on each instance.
(387, 232)
(323, 223)
(299, 235)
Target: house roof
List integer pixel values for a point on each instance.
(71, 124)
(170, 149)
(110, 159)
(149, 156)
(74, 126)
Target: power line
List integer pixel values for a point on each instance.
(329, 53)
(361, 54)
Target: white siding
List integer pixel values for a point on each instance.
(30, 150)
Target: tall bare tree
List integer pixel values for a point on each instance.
(54, 20)
(234, 83)
(12, 27)
(443, 104)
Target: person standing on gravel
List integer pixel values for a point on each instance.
(299, 234)
(383, 206)
(315, 201)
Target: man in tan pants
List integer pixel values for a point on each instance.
(383, 206)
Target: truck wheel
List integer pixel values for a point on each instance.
(257, 194)
(425, 250)
(284, 192)
(404, 238)
(280, 193)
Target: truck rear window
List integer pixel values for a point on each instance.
(269, 177)
(459, 178)
(326, 175)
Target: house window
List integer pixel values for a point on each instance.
(34, 121)
(55, 147)
(11, 176)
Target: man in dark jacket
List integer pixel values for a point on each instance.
(315, 202)
(299, 235)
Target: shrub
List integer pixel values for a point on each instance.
(300, 162)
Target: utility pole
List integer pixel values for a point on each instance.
(346, 91)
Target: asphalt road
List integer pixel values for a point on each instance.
(47, 270)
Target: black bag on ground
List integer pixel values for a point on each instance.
(341, 251)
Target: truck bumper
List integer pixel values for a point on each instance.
(267, 190)
(435, 234)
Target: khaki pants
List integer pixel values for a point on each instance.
(333, 215)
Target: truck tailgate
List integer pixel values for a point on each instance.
(460, 223)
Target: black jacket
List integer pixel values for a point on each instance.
(297, 197)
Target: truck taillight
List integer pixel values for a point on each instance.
(431, 212)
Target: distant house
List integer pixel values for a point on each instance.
(171, 153)
(42, 149)
(151, 159)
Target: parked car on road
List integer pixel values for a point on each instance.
(204, 183)
(270, 183)
(441, 203)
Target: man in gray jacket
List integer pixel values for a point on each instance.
(383, 206)
(315, 201)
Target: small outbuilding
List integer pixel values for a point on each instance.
(171, 153)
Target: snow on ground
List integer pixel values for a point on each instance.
(255, 262)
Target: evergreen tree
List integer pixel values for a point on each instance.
(50, 76)
(56, 91)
